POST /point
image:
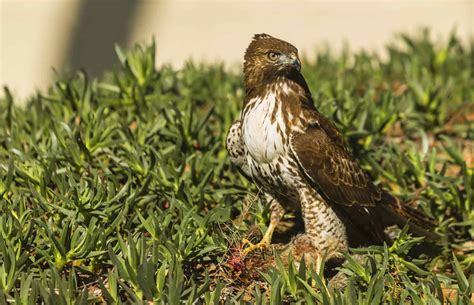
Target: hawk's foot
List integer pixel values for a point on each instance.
(252, 247)
(264, 243)
(302, 248)
(277, 213)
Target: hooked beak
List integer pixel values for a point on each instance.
(296, 63)
(290, 61)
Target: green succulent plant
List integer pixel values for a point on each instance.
(118, 189)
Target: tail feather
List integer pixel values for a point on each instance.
(367, 225)
(394, 212)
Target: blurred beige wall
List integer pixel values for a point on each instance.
(39, 35)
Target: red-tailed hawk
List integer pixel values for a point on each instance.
(298, 158)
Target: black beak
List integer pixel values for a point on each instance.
(296, 64)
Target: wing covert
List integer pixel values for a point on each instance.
(325, 160)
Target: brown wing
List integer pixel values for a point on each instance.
(324, 158)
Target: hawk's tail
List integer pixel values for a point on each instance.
(395, 212)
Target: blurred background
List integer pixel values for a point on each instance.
(40, 38)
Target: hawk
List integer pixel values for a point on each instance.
(298, 158)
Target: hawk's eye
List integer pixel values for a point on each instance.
(273, 56)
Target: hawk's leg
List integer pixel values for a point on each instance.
(323, 229)
(277, 212)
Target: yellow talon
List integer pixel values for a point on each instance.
(251, 246)
(264, 243)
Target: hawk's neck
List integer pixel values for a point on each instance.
(290, 92)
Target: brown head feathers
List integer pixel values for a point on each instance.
(268, 57)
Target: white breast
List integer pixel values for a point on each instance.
(261, 136)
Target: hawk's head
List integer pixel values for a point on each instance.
(267, 58)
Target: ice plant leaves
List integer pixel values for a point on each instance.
(118, 189)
